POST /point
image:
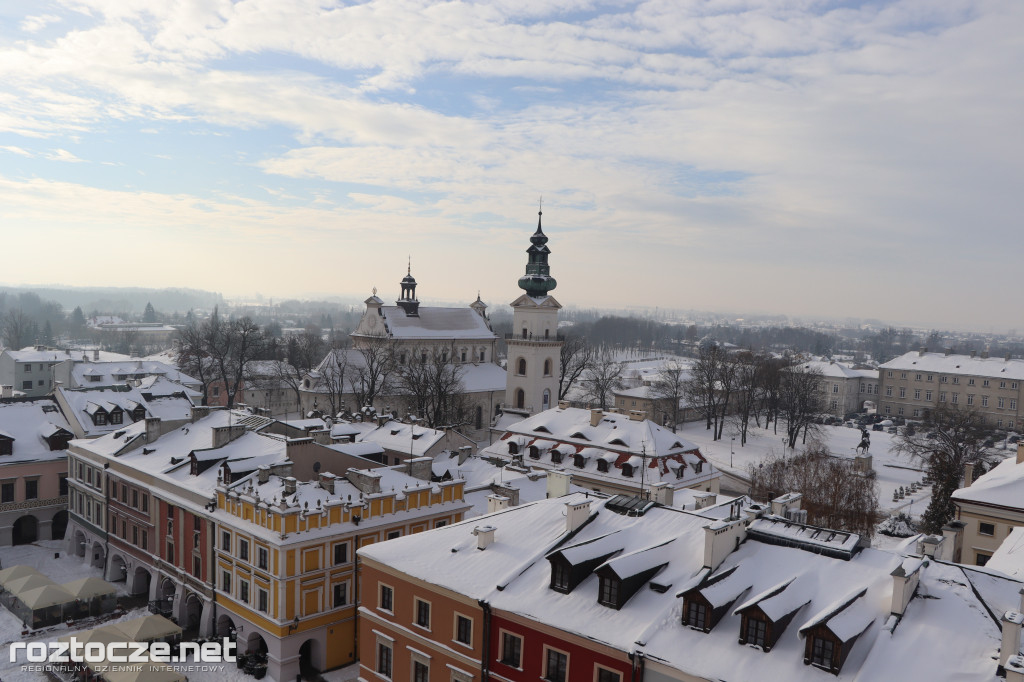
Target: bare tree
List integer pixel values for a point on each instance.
(669, 389)
(835, 495)
(704, 388)
(604, 377)
(800, 402)
(17, 329)
(577, 356)
(305, 351)
(330, 379)
(371, 377)
(434, 387)
(950, 437)
(192, 357)
(725, 387)
(749, 368)
(229, 346)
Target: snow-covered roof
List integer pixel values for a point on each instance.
(399, 437)
(951, 634)
(159, 386)
(940, 363)
(616, 439)
(436, 323)
(29, 423)
(84, 402)
(1002, 486)
(835, 370)
(1009, 556)
(90, 373)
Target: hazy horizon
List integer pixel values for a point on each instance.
(847, 159)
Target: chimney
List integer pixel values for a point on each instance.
(595, 417)
(222, 435)
(576, 513)
(263, 474)
(420, 467)
(465, 452)
(968, 474)
(1015, 669)
(1020, 452)
(924, 349)
(704, 500)
(563, 404)
(984, 355)
(720, 539)
(637, 415)
(484, 536)
(367, 480)
(289, 485)
(95, 354)
(558, 483)
(930, 545)
(321, 436)
(784, 503)
(663, 493)
(6, 391)
(152, 429)
(508, 492)
(952, 542)
(327, 481)
(973, 353)
(199, 412)
(948, 351)
(496, 503)
(1011, 622)
(904, 583)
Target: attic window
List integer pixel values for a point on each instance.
(394, 432)
(579, 461)
(617, 441)
(697, 467)
(602, 466)
(559, 576)
(608, 594)
(6, 446)
(416, 436)
(542, 429)
(556, 457)
(579, 435)
(627, 470)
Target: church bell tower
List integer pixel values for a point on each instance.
(534, 347)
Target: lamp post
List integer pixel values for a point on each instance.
(732, 448)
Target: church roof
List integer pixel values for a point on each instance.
(436, 323)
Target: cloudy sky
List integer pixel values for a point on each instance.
(802, 157)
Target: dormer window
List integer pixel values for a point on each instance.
(534, 452)
(100, 418)
(579, 434)
(139, 413)
(542, 429)
(755, 632)
(559, 576)
(602, 466)
(617, 441)
(513, 447)
(116, 417)
(698, 467)
(697, 616)
(556, 457)
(609, 592)
(579, 461)
(627, 470)
(6, 445)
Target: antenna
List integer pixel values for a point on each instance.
(643, 465)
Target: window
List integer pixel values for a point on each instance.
(225, 581)
(888, 409)
(985, 383)
(606, 675)
(917, 394)
(243, 550)
(1013, 403)
(956, 380)
(197, 567)
(899, 410)
(943, 380)
(62, 482)
(262, 558)
(970, 398)
(1013, 385)
(423, 613)
(928, 396)
(170, 552)
(145, 503)
(100, 418)
(1002, 384)
(483, 354)
(697, 615)
(463, 356)
(521, 367)
(243, 591)
(942, 396)
(383, 659)
(970, 382)
(917, 377)
(1001, 403)
(888, 391)
(981, 559)
(135, 535)
(387, 597)
(261, 600)
(7, 491)
(116, 417)
(392, 534)
(556, 666)
(420, 672)
(821, 652)
(756, 630)
(609, 592)
(929, 377)
(463, 630)
(341, 553)
(903, 392)
(986, 529)
(835, 404)
(889, 374)
(440, 524)
(31, 489)
(145, 540)
(26, 385)
(917, 412)
(956, 398)
(511, 649)
(835, 388)
(903, 375)
(547, 368)
(225, 541)
(340, 594)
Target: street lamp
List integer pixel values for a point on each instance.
(732, 448)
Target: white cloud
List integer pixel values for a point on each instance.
(38, 22)
(63, 155)
(16, 150)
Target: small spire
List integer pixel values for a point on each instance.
(540, 211)
(408, 270)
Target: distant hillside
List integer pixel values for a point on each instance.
(123, 299)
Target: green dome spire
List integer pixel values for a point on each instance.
(538, 280)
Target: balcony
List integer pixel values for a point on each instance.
(557, 338)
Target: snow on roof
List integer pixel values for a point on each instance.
(940, 363)
(482, 377)
(29, 423)
(117, 372)
(84, 402)
(357, 449)
(399, 437)
(1002, 486)
(159, 386)
(593, 548)
(833, 370)
(1009, 556)
(436, 323)
(804, 535)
